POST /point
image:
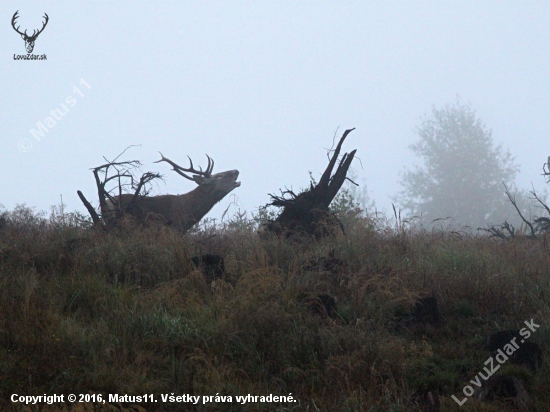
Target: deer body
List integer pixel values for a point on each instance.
(181, 211)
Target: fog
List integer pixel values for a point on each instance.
(261, 87)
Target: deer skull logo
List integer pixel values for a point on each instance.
(29, 40)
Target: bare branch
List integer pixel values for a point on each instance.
(91, 210)
(498, 231)
(146, 178)
(325, 178)
(347, 178)
(513, 200)
(540, 201)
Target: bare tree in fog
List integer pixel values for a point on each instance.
(463, 172)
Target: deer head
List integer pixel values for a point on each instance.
(219, 184)
(183, 211)
(29, 40)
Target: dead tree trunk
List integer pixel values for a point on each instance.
(308, 212)
(125, 179)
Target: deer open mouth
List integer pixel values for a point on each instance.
(236, 174)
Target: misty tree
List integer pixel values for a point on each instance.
(463, 172)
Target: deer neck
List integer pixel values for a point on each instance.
(198, 203)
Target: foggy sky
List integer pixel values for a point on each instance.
(261, 87)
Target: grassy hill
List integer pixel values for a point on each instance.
(127, 312)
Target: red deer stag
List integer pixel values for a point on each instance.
(182, 211)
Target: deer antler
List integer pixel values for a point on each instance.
(34, 33)
(43, 26)
(178, 169)
(15, 17)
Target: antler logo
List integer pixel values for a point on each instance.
(29, 40)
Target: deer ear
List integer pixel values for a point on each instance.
(23, 36)
(200, 180)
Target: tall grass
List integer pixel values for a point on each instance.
(83, 311)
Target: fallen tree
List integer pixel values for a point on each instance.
(308, 212)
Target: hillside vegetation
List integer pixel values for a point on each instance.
(127, 312)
